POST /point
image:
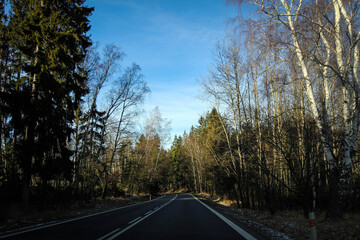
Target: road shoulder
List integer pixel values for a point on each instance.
(258, 230)
(35, 219)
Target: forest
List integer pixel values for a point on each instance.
(282, 133)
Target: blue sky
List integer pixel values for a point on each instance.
(172, 41)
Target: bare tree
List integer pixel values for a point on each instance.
(228, 85)
(128, 92)
(332, 29)
(156, 127)
(100, 71)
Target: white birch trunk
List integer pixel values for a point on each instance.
(308, 86)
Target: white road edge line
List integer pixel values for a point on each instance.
(241, 231)
(71, 220)
(109, 234)
(132, 225)
(134, 220)
(148, 212)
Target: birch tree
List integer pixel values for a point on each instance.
(90, 122)
(128, 93)
(332, 29)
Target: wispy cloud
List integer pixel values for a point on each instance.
(182, 29)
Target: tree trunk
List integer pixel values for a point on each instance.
(334, 210)
(27, 156)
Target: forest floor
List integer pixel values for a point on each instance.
(288, 224)
(34, 218)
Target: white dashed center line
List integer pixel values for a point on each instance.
(134, 220)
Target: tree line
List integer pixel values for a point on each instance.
(69, 113)
(67, 107)
(283, 133)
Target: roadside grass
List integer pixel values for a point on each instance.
(293, 223)
(177, 191)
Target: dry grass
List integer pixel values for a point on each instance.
(295, 225)
(177, 191)
(226, 202)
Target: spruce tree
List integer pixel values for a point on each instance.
(50, 38)
(3, 60)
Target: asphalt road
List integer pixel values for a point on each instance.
(170, 217)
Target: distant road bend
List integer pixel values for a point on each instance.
(173, 216)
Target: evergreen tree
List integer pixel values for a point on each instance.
(49, 40)
(5, 147)
(180, 171)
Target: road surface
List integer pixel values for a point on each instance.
(170, 217)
